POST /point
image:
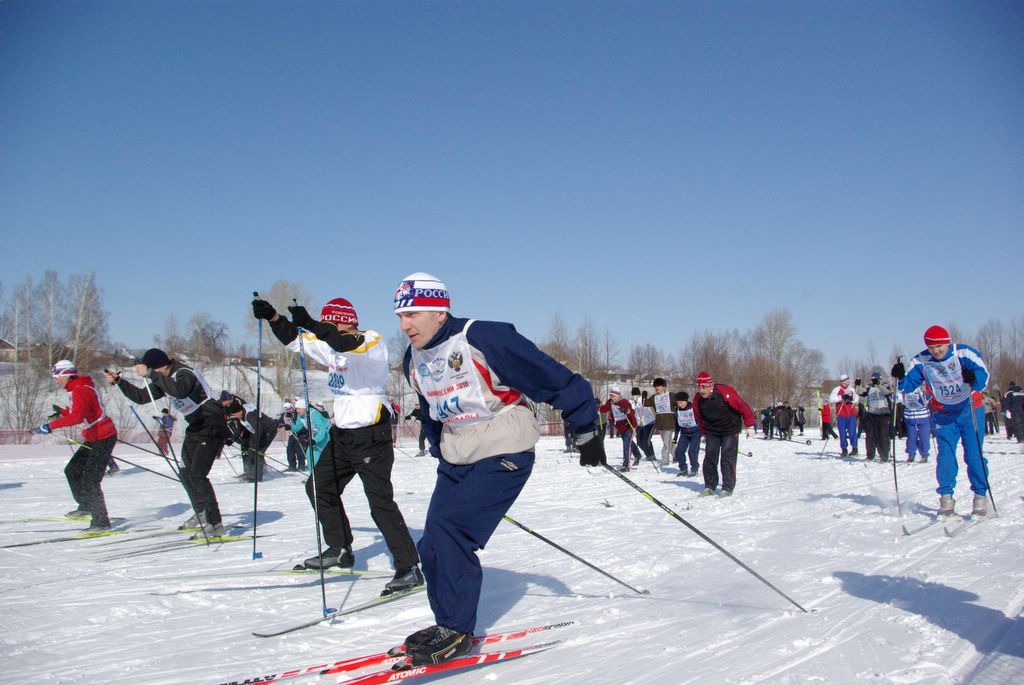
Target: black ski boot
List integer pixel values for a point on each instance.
(406, 579)
(332, 556)
(436, 644)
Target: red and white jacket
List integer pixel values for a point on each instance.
(85, 408)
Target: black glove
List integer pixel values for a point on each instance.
(56, 412)
(300, 317)
(591, 447)
(969, 376)
(262, 309)
(899, 372)
(857, 382)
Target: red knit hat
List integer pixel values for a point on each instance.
(704, 380)
(937, 335)
(339, 310)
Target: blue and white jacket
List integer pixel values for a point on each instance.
(473, 378)
(945, 377)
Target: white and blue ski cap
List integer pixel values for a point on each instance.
(64, 368)
(421, 292)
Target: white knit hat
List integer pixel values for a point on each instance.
(64, 368)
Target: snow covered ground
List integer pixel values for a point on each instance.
(882, 607)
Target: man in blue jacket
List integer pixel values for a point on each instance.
(957, 376)
(473, 379)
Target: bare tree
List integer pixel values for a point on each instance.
(24, 392)
(585, 353)
(709, 352)
(558, 344)
(87, 332)
(645, 360)
(47, 316)
(207, 338)
(172, 342)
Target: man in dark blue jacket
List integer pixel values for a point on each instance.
(473, 379)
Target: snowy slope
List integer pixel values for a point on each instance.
(883, 607)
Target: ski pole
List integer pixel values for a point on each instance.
(256, 481)
(177, 471)
(175, 467)
(635, 442)
(312, 477)
(138, 466)
(257, 453)
(981, 454)
(714, 544)
(895, 481)
(577, 558)
(138, 447)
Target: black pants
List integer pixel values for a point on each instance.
(368, 453)
(643, 438)
(724, 448)
(876, 432)
(253, 465)
(826, 430)
(85, 472)
(296, 452)
(1015, 428)
(197, 454)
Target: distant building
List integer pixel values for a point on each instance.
(7, 351)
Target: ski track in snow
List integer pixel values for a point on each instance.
(883, 607)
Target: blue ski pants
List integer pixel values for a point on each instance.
(688, 447)
(952, 427)
(629, 445)
(467, 505)
(919, 436)
(847, 426)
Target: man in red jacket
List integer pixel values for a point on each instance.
(720, 413)
(89, 462)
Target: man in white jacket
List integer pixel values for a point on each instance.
(360, 439)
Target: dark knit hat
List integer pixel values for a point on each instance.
(155, 358)
(682, 396)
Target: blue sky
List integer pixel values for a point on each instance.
(659, 167)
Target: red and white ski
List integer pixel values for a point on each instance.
(389, 658)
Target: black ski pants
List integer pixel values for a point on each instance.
(85, 471)
(876, 434)
(296, 452)
(720, 448)
(368, 453)
(198, 452)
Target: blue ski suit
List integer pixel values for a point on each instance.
(953, 401)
